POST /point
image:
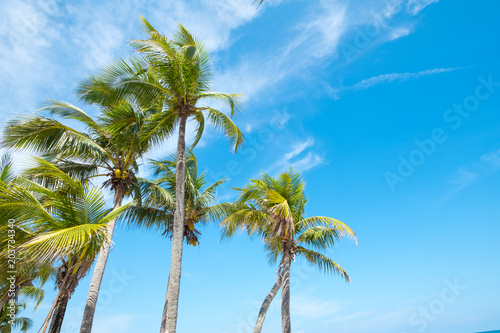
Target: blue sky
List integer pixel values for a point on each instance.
(389, 108)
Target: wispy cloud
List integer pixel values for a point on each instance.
(389, 78)
(318, 40)
(312, 40)
(40, 40)
(415, 6)
(310, 161)
(400, 32)
(465, 176)
(299, 148)
(301, 157)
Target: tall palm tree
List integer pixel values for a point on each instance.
(67, 223)
(109, 147)
(157, 209)
(274, 208)
(174, 75)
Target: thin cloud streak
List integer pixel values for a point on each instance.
(415, 6)
(389, 78)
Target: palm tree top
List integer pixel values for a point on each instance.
(172, 76)
(156, 210)
(274, 208)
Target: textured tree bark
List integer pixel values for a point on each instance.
(285, 291)
(163, 326)
(265, 306)
(174, 280)
(95, 283)
(59, 312)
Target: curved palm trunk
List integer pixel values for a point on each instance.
(95, 283)
(51, 311)
(285, 292)
(265, 306)
(59, 312)
(163, 326)
(174, 281)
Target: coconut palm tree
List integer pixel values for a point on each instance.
(274, 208)
(19, 275)
(157, 210)
(108, 147)
(174, 75)
(67, 222)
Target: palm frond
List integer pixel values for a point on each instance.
(223, 123)
(324, 263)
(68, 111)
(343, 229)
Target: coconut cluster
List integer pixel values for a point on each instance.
(123, 178)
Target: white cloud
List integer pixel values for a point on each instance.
(316, 41)
(415, 6)
(225, 16)
(492, 158)
(400, 32)
(308, 162)
(488, 164)
(46, 46)
(299, 148)
(295, 157)
(388, 78)
(312, 41)
(465, 176)
(98, 43)
(26, 33)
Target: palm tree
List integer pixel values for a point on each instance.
(174, 75)
(109, 147)
(67, 223)
(274, 208)
(157, 210)
(29, 276)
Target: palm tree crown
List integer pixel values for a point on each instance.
(65, 223)
(157, 207)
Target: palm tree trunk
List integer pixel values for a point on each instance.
(163, 326)
(285, 292)
(51, 311)
(265, 306)
(5, 299)
(102, 258)
(59, 312)
(174, 281)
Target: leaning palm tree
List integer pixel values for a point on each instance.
(274, 208)
(174, 75)
(157, 209)
(67, 222)
(109, 148)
